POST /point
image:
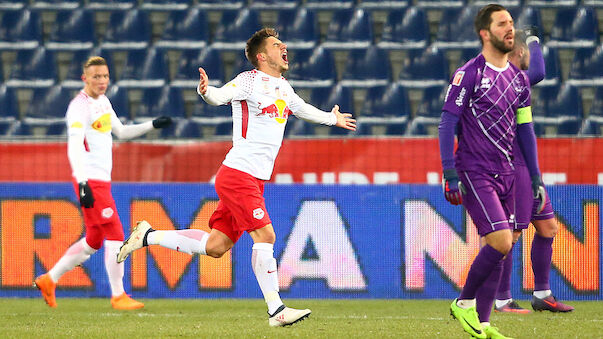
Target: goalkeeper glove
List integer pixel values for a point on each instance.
(162, 122)
(538, 191)
(453, 188)
(531, 33)
(86, 197)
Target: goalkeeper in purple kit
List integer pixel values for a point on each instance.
(488, 99)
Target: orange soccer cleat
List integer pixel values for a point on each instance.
(124, 302)
(45, 284)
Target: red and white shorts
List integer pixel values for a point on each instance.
(101, 220)
(241, 207)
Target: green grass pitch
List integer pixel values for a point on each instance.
(244, 318)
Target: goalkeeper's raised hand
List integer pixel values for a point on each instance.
(452, 186)
(86, 196)
(538, 191)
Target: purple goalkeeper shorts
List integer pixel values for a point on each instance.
(489, 200)
(526, 206)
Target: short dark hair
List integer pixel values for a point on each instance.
(94, 61)
(483, 19)
(255, 44)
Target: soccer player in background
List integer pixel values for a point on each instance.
(262, 101)
(489, 100)
(527, 56)
(91, 121)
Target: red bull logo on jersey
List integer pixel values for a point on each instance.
(102, 124)
(278, 110)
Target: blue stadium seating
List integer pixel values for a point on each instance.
(552, 67)
(120, 102)
(221, 5)
(127, 30)
(48, 104)
(110, 5)
(593, 125)
(55, 5)
(528, 16)
(587, 67)
(163, 5)
(405, 29)
(386, 4)
(298, 28)
(9, 106)
(73, 30)
(325, 100)
(211, 115)
(432, 101)
(33, 69)
(468, 54)
(187, 75)
(440, 3)
(159, 101)
(456, 29)
(558, 4)
(349, 29)
(508, 4)
(558, 107)
(241, 64)
(144, 69)
(386, 108)
(366, 68)
(426, 69)
(185, 30)
(235, 28)
(274, 4)
(58, 128)
(13, 5)
(6, 126)
(312, 68)
(224, 129)
(185, 129)
(424, 126)
(20, 30)
(329, 4)
(574, 28)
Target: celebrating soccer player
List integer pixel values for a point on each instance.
(527, 56)
(91, 121)
(489, 99)
(262, 101)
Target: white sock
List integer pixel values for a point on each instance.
(115, 271)
(542, 294)
(465, 303)
(75, 255)
(485, 323)
(186, 241)
(264, 267)
(501, 303)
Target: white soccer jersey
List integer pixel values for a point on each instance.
(92, 118)
(261, 106)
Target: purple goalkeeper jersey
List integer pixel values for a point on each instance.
(486, 99)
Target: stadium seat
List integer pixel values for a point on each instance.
(349, 29)
(13, 5)
(185, 30)
(160, 101)
(424, 126)
(508, 4)
(366, 68)
(9, 106)
(56, 5)
(329, 4)
(432, 101)
(468, 54)
(58, 128)
(188, 129)
(72, 31)
(298, 28)
(211, 115)
(596, 109)
(110, 5)
(33, 69)
(20, 30)
(274, 4)
(224, 129)
(528, 17)
(163, 5)
(49, 104)
(78, 58)
(405, 29)
(241, 64)
(312, 68)
(235, 28)
(144, 69)
(587, 67)
(187, 75)
(220, 5)
(440, 3)
(387, 4)
(385, 108)
(575, 28)
(425, 69)
(559, 108)
(551, 3)
(456, 29)
(552, 67)
(120, 102)
(127, 30)
(325, 100)
(7, 126)
(593, 125)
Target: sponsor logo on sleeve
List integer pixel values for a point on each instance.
(460, 97)
(458, 78)
(258, 213)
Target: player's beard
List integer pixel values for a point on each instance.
(500, 44)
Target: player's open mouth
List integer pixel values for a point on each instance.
(284, 56)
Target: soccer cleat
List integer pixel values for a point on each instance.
(492, 332)
(285, 316)
(512, 307)
(124, 302)
(468, 319)
(550, 304)
(134, 241)
(45, 284)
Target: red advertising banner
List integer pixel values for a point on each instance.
(344, 161)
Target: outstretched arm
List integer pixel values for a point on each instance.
(132, 131)
(334, 118)
(536, 71)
